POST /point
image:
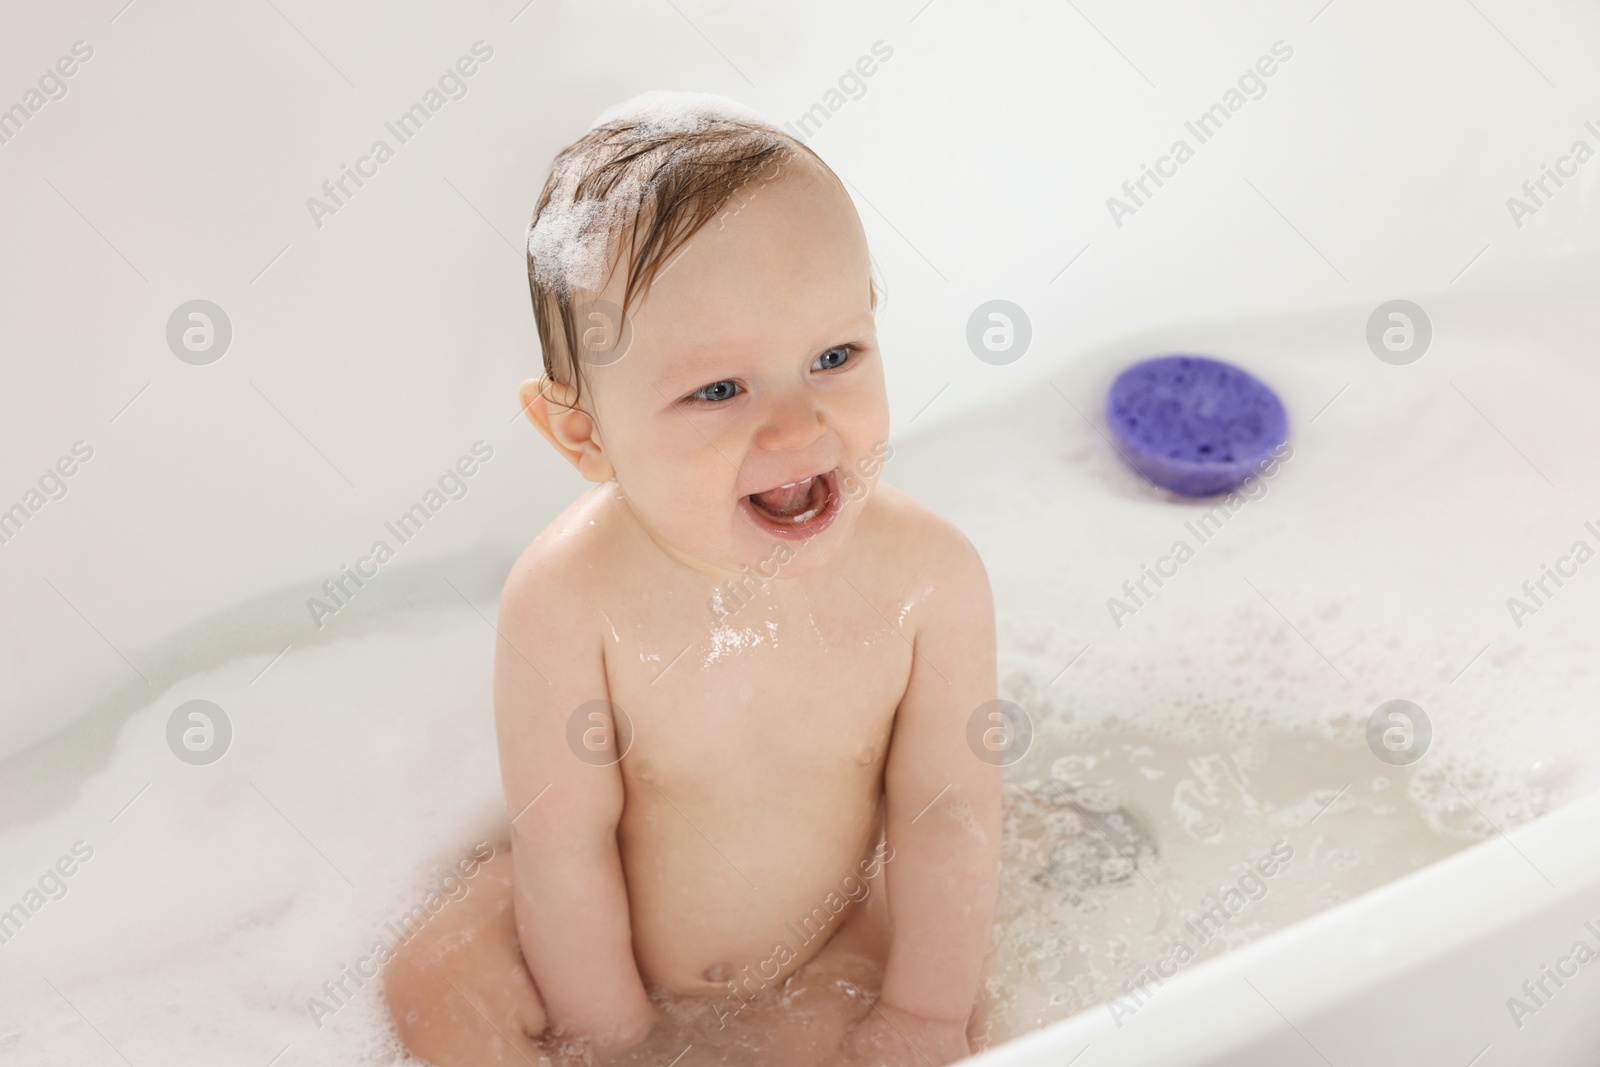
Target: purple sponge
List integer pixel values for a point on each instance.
(1194, 425)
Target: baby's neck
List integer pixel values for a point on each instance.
(739, 583)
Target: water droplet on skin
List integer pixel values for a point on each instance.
(725, 639)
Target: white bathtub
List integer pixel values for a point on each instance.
(364, 759)
(372, 350)
(1418, 972)
(1384, 556)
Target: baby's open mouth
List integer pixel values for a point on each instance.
(796, 509)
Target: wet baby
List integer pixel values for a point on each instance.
(735, 677)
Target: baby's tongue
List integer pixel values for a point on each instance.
(785, 500)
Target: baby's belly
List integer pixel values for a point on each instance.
(724, 888)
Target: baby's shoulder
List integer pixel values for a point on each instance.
(903, 529)
(560, 566)
(920, 559)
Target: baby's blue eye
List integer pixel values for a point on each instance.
(833, 357)
(717, 391)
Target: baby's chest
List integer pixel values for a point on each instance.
(750, 694)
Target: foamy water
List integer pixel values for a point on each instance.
(1248, 837)
(1226, 715)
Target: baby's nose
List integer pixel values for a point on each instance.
(790, 422)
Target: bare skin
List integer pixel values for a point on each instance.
(770, 731)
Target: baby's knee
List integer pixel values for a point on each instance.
(460, 990)
(413, 989)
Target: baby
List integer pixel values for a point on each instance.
(735, 678)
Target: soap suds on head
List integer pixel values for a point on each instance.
(573, 241)
(575, 238)
(678, 112)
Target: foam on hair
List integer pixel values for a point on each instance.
(628, 193)
(572, 240)
(679, 112)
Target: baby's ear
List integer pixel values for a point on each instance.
(553, 407)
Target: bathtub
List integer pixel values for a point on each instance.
(1430, 967)
(287, 850)
(182, 559)
(1417, 972)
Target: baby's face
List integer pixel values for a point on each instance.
(747, 420)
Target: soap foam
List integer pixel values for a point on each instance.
(669, 111)
(573, 242)
(575, 239)
(222, 898)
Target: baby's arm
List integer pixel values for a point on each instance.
(944, 879)
(569, 895)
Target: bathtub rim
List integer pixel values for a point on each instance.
(1404, 924)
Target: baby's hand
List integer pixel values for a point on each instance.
(561, 1049)
(892, 1037)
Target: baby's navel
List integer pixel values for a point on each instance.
(719, 972)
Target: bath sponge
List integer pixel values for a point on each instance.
(1194, 425)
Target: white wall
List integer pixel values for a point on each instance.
(379, 346)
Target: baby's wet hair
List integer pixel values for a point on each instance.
(631, 192)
